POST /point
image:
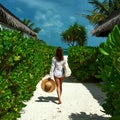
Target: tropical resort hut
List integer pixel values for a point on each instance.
(10, 21)
(104, 28)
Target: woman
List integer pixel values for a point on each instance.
(57, 71)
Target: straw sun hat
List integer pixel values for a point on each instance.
(48, 85)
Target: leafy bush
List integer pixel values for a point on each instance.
(82, 61)
(109, 66)
(23, 63)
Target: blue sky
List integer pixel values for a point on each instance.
(54, 17)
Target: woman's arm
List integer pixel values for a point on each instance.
(52, 68)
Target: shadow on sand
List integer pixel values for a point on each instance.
(93, 88)
(70, 79)
(47, 99)
(96, 92)
(84, 116)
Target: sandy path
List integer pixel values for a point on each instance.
(79, 102)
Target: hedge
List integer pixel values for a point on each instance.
(23, 62)
(82, 60)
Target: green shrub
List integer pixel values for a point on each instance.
(109, 66)
(23, 62)
(82, 62)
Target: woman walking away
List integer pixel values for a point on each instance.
(57, 71)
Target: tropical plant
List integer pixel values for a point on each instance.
(101, 10)
(31, 25)
(109, 66)
(75, 35)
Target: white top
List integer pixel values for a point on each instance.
(57, 68)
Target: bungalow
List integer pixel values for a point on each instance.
(103, 29)
(10, 21)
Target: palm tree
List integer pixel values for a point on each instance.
(102, 10)
(74, 35)
(30, 24)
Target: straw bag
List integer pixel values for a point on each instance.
(67, 70)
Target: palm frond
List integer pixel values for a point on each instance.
(36, 29)
(100, 6)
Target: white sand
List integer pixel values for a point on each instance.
(79, 102)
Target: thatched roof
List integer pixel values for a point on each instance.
(103, 29)
(9, 19)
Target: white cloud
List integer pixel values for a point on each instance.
(43, 16)
(73, 19)
(50, 20)
(48, 24)
(58, 23)
(39, 4)
(57, 16)
(39, 16)
(89, 28)
(43, 32)
(31, 3)
(19, 10)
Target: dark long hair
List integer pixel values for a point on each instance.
(59, 54)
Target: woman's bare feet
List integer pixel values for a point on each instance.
(59, 101)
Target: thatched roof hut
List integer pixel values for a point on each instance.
(10, 20)
(103, 29)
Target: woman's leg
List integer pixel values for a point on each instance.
(57, 80)
(61, 81)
